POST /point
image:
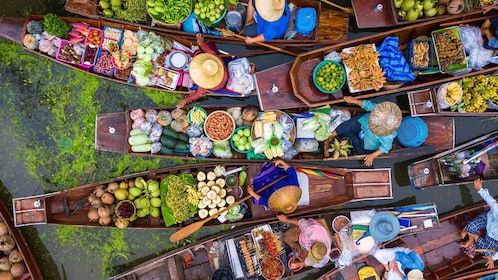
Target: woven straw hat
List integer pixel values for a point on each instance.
(384, 226)
(385, 118)
(317, 252)
(415, 274)
(285, 199)
(270, 10)
(206, 70)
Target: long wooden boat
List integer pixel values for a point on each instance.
(32, 271)
(113, 130)
(331, 28)
(301, 72)
(448, 167)
(440, 250)
(14, 29)
(71, 207)
(202, 264)
(424, 102)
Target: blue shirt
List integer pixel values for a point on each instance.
(275, 29)
(290, 180)
(492, 216)
(372, 140)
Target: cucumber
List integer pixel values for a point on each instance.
(168, 141)
(183, 137)
(142, 148)
(138, 139)
(168, 131)
(167, 151)
(180, 146)
(137, 131)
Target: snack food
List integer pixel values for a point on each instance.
(219, 126)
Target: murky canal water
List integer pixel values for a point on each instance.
(83, 254)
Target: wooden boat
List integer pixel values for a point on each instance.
(32, 271)
(305, 92)
(440, 250)
(15, 28)
(369, 14)
(169, 265)
(113, 130)
(446, 168)
(332, 27)
(424, 103)
(71, 207)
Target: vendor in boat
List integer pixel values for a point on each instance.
(266, 20)
(281, 197)
(313, 239)
(489, 28)
(207, 70)
(471, 240)
(400, 263)
(371, 133)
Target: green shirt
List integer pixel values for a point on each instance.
(372, 140)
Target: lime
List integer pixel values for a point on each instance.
(248, 146)
(247, 132)
(236, 138)
(108, 12)
(241, 147)
(240, 132)
(242, 140)
(104, 4)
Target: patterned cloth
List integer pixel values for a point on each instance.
(393, 62)
(268, 174)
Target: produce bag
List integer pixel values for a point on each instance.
(471, 37)
(222, 149)
(239, 78)
(306, 145)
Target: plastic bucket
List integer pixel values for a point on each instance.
(412, 132)
(233, 20)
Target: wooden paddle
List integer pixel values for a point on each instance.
(188, 230)
(347, 10)
(230, 33)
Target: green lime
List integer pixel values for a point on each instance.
(247, 132)
(104, 4)
(248, 146)
(236, 138)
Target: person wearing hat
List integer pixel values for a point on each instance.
(266, 20)
(372, 133)
(383, 226)
(281, 197)
(207, 71)
(486, 220)
(314, 241)
(400, 263)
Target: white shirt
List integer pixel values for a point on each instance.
(388, 254)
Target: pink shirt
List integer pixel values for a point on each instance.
(311, 232)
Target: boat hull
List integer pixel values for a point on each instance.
(324, 192)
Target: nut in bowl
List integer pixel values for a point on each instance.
(219, 126)
(329, 76)
(272, 268)
(121, 59)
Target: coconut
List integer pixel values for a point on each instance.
(222, 193)
(93, 214)
(104, 221)
(210, 183)
(213, 212)
(107, 198)
(205, 190)
(99, 191)
(104, 211)
(212, 205)
(216, 188)
(211, 194)
(18, 269)
(5, 265)
(15, 256)
(200, 185)
(3, 228)
(221, 203)
(217, 199)
(7, 243)
(6, 275)
(206, 200)
(230, 199)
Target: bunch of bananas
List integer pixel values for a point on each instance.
(477, 90)
(453, 93)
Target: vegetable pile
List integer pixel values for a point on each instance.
(169, 11)
(11, 259)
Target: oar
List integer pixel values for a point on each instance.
(188, 230)
(230, 33)
(347, 10)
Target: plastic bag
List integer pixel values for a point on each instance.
(243, 84)
(349, 251)
(290, 153)
(194, 131)
(306, 145)
(334, 56)
(238, 67)
(287, 124)
(222, 149)
(471, 37)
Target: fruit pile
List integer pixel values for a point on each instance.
(168, 11)
(330, 76)
(477, 90)
(241, 139)
(453, 93)
(363, 69)
(209, 10)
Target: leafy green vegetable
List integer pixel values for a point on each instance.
(166, 211)
(56, 26)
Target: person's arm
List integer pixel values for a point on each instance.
(484, 193)
(284, 164)
(249, 15)
(296, 264)
(252, 193)
(369, 158)
(488, 8)
(258, 39)
(393, 268)
(352, 100)
(490, 261)
(284, 219)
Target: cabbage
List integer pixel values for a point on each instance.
(310, 124)
(260, 145)
(278, 130)
(267, 131)
(319, 123)
(322, 133)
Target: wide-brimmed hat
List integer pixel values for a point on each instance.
(270, 10)
(415, 274)
(206, 70)
(384, 226)
(385, 118)
(317, 252)
(285, 199)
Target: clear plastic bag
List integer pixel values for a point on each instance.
(287, 124)
(243, 84)
(478, 56)
(306, 145)
(238, 67)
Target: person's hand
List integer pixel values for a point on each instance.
(488, 8)
(392, 265)
(199, 38)
(490, 263)
(477, 184)
(249, 40)
(369, 159)
(278, 162)
(180, 104)
(295, 265)
(350, 100)
(282, 218)
(250, 191)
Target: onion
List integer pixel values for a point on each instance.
(91, 198)
(96, 202)
(3, 228)
(93, 214)
(7, 243)
(104, 221)
(18, 269)
(15, 256)
(6, 275)
(5, 264)
(104, 211)
(107, 198)
(99, 191)
(112, 186)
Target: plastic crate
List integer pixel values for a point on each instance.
(88, 59)
(453, 67)
(59, 50)
(98, 61)
(92, 30)
(113, 33)
(411, 58)
(168, 78)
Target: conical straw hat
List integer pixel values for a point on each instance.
(206, 70)
(317, 252)
(385, 118)
(270, 10)
(285, 199)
